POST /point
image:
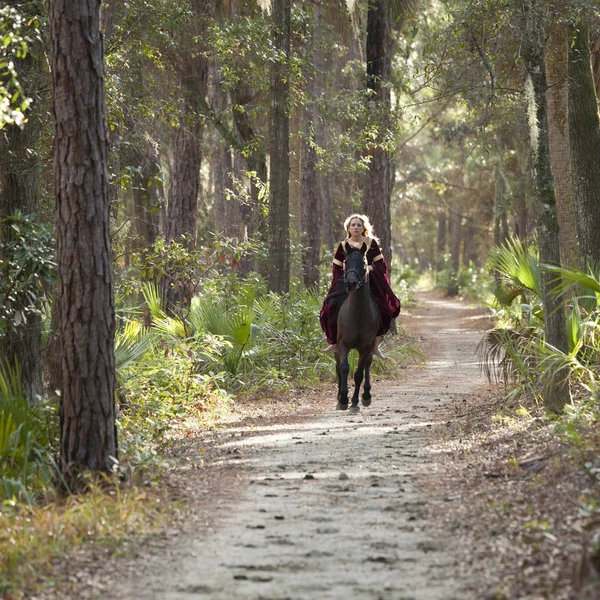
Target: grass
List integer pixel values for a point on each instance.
(31, 536)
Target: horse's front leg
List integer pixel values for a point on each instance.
(343, 369)
(363, 359)
(366, 397)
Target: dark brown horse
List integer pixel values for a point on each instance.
(358, 323)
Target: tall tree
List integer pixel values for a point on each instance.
(279, 179)
(584, 140)
(192, 70)
(310, 191)
(558, 137)
(556, 392)
(377, 186)
(85, 289)
(20, 191)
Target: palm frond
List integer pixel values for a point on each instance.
(517, 266)
(506, 353)
(154, 300)
(587, 284)
(132, 343)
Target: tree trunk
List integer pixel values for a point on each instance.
(310, 200)
(146, 191)
(499, 209)
(185, 181)
(556, 393)
(310, 207)
(327, 234)
(85, 286)
(377, 190)
(227, 210)
(20, 190)
(557, 97)
(584, 138)
(440, 248)
(455, 235)
(279, 198)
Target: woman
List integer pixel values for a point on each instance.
(359, 231)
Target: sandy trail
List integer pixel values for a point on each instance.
(332, 506)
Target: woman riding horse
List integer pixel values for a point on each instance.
(359, 231)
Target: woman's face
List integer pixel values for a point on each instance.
(356, 227)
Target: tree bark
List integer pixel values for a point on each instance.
(20, 190)
(185, 181)
(377, 189)
(310, 191)
(85, 288)
(310, 207)
(556, 393)
(279, 198)
(557, 97)
(584, 139)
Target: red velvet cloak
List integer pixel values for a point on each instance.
(381, 290)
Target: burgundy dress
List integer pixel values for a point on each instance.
(386, 300)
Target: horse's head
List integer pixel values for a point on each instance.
(355, 268)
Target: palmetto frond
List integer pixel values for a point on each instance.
(132, 343)
(507, 353)
(517, 266)
(587, 284)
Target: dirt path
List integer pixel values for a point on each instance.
(332, 506)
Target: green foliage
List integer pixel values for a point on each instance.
(27, 269)
(518, 350)
(26, 432)
(517, 268)
(15, 36)
(467, 282)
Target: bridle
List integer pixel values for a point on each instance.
(362, 280)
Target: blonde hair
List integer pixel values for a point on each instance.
(368, 232)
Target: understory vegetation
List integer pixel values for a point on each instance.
(178, 373)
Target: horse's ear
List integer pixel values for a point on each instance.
(363, 248)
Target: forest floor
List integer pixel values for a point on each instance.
(438, 491)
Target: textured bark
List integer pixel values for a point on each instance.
(310, 190)
(185, 181)
(310, 206)
(377, 189)
(20, 190)
(279, 198)
(327, 234)
(584, 138)
(227, 212)
(556, 393)
(85, 288)
(595, 53)
(558, 137)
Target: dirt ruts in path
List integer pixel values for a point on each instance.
(332, 506)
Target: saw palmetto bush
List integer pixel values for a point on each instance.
(27, 468)
(510, 350)
(516, 350)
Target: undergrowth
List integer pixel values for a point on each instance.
(32, 536)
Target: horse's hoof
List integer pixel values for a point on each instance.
(341, 406)
(366, 401)
(354, 408)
